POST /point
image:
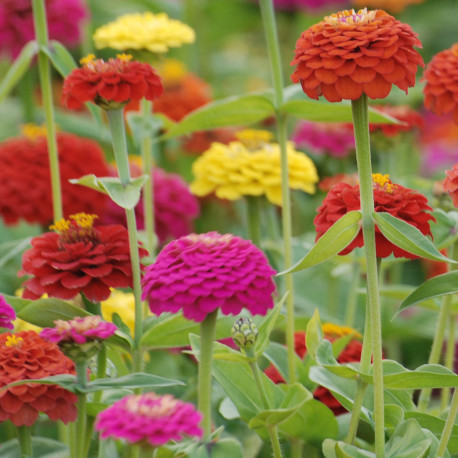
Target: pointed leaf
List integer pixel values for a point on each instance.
(314, 334)
(18, 68)
(336, 238)
(437, 286)
(407, 237)
(408, 441)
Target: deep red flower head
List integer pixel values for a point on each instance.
(441, 89)
(348, 54)
(400, 202)
(201, 273)
(25, 182)
(451, 183)
(409, 118)
(78, 258)
(23, 356)
(110, 84)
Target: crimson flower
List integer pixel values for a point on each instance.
(78, 258)
(25, 355)
(400, 202)
(348, 54)
(110, 84)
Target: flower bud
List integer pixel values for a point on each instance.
(244, 332)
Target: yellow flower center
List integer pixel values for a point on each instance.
(87, 59)
(351, 17)
(254, 139)
(13, 341)
(383, 181)
(76, 229)
(332, 329)
(124, 57)
(145, 405)
(33, 131)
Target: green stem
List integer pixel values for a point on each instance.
(118, 133)
(253, 217)
(449, 357)
(352, 298)
(207, 336)
(363, 158)
(148, 190)
(44, 70)
(81, 376)
(449, 424)
(24, 435)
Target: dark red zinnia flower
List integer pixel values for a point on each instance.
(110, 84)
(348, 54)
(78, 258)
(25, 182)
(409, 118)
(25, 355)
(403, 203)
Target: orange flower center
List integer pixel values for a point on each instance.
(79, 228)
(351, 17)
(13, 341)
(100, 66)
(383, 182)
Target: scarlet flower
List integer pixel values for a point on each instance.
(110, 84)
(410, 119)
(441, 89)
(25, 183)
(451, 183)
(78, 258)
(400, 202)
(24, 356)
(348, 54)
(199, 142)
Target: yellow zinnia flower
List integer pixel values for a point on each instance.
(251, 166)
(144, 31)
(123, 304)
(334, 330)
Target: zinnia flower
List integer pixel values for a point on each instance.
(143, 31)
(24, 356)
(328, 182)
(200, 141)
(410, 119)
(78, 258)
(7, 314)
(123, 304)
(64, 18)
(334, 139)
(400, 202)
(348, 54)
(351, 353)
(251, 167)
(201, 273)
(25, 182)
(451, 183)
(110, 84)
(150, 418)
(394, 6)
(441, 89)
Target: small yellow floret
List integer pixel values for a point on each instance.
(60, 226)
(125, 57)
(83, 220)
(351, 17)
(32, 131)
(332, 329)
(13, 341)
(383, 181)
(87, 59)
(254, 138)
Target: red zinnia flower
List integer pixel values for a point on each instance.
(409, 118)
(25, 182)
(200, 141)
(451, 183)
(110, 84)
(403, 203)
(441, 89)
(24, 356)
(348, 54)
(78, 258)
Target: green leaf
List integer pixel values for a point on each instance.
(43, 312)
(142, 126)
(60, 57)
(232, 111)
(338, 449)
(407, 237)
(335, 239)
(16, 250)
(314, 334)
(408, 441)
(229, 446)
(42, 447)
(394, 415)
(18, 68)
(437, 286)
(18, 303)
(124, 195)
(121, 339)
(277, 354)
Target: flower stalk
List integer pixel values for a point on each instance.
(24, 435)
(81, 376)
(253, 218)
(448, 427)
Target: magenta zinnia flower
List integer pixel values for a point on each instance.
(201, 273)
(149, 418)
(7, 314)
(64, 18)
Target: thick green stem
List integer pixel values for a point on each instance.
(44, 70)
(363, 158)
(118, 133)
(352, 297)
(449, 424)
(24, 435)
(207, 336)
(253, 218)
(148, 190)
(81, 375)
(449, 357)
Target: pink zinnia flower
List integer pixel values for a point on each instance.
(149, 417)
(7, 314)
(325, 138)
(64, 18)
(201, 273)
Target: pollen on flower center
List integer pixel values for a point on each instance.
(124, 57)
(13, 341)
(76, 229)
(151, 405)
(209, 240)
(383, 181)
(33, 131)
(351, 17)
(87, 59)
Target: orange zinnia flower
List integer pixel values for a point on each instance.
(394, 6)
(348, 54)
(441, 90)
(409, 118)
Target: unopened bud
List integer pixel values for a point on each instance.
(244, 333)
